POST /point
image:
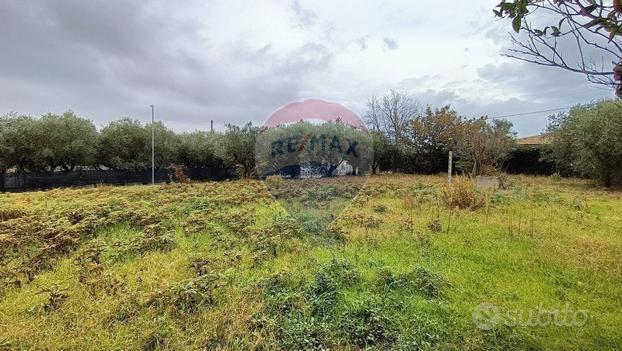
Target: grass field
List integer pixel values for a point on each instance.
(223, 266)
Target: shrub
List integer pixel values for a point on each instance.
(274, 181)
(461, 194)
(179, 174)
(586, 141)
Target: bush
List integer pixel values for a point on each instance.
(461, 194)
(586, 141)
(179, 174)
(274, 181)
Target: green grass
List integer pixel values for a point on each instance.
(223, 266)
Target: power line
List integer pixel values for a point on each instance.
(532, 112)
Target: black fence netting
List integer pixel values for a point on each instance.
(48, 180)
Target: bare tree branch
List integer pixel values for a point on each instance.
(582, 24)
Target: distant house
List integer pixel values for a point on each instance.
(534, 140)
(531, 156)
(315, 170)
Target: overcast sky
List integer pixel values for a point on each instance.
(235, 61)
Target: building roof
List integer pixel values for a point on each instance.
(534, 140)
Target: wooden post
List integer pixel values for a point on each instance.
(449, 166)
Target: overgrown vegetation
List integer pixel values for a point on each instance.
(461, 194)
(222, 266)
(587, 141)
(408, 139)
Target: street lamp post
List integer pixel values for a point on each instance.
(152, 146)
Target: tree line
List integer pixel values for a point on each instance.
(586, 141)
(411, 138)
(406, 137)
(67, 142)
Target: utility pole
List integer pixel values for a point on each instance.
(152, 146)
(449, 166)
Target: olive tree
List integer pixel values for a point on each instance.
(22, 143)
(588, 141)
(237, 148)
(126, 144)
(198, 149)
(70, 141)
(384, 152)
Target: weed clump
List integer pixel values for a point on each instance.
(199, 221)
(56, 297)
(188, 295)
(364, 221)
(367, 324)
(418, 281)
(579, 203)
(461, 194)
(274, 181)
(155, 242)
(323, 294)
(427, 283)
(11, 213)
(380, 208)
(335, 233)
(282, 293)
(435, 225)
(556, 177)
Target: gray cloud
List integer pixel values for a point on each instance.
(113, 59)
(106, 59)
(361, 42)
(305, 18)
(528, 88)
(389, 43)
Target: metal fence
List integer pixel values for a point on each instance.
(31, 181)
